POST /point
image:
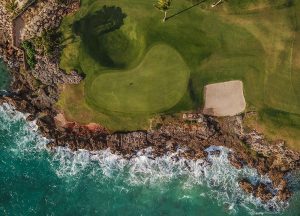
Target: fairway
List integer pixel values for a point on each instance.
(153, 86)
(137, 66)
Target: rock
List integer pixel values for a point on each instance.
(30, 118)
(263, 193)
(247, 186)
(234, 161)
(284, 195)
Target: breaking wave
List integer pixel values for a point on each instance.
(215, 172)
(24, 134)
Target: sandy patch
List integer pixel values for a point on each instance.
(224, 99)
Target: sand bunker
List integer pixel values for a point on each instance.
(224, 99)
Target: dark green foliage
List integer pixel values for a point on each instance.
(49, 42)
(65, 2)
(29, 53)
(11, 6)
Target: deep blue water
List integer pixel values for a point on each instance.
(34, 181)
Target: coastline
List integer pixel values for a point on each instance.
(249, 148)
(212, 182)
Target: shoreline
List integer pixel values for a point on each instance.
(213, 171)
(249, 148)
(211, 177)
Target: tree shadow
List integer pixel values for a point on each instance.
(186, 9)
(193, 94)
(93, 26)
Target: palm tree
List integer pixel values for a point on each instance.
(11, 6)
(164, 6)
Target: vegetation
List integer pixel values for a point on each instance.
(65, 2)
(11, 6)
(30, 53)
(126, 84)
(49, 42)
(164, 6)
(135, 90)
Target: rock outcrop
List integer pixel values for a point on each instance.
(45, 15)
(49, 73)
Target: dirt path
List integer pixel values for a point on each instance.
(18, 26)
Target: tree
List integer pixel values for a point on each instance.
(11, 6)
(164, 6)
(49, 42)
(30, 53)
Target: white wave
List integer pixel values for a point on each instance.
(24, 134)
(215, 172)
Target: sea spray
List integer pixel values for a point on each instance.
(214, 172)
(26, 134)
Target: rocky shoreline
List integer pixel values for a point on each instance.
(36, 91)
(249, 148)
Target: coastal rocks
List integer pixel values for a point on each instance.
(284, 195)
(263, 193)
(5, 25)
(247, 186)
(49, 73)
(20, 104)
(45, 15)
(258, 190)
(127, 142)
(235, 161)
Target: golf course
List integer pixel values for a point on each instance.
(136, 66)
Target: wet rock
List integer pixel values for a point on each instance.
(284, 195)
(30, 117)
(263, 193)
(247, 186)
(235, 161)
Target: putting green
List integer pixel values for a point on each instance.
(147, 88)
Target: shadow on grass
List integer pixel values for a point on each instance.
(186, 9)
(94, 26)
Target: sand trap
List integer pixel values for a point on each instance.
(224, 99)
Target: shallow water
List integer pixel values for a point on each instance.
(35, 181)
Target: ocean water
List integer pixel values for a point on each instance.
(36, 181)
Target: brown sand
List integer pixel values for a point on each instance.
(224, 99)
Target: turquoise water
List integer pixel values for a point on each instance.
(35, 181)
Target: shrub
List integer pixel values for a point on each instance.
(49, 41)
(29, 53)
(11, 6)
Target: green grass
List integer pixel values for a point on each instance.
(255, 42)
(147, 88)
